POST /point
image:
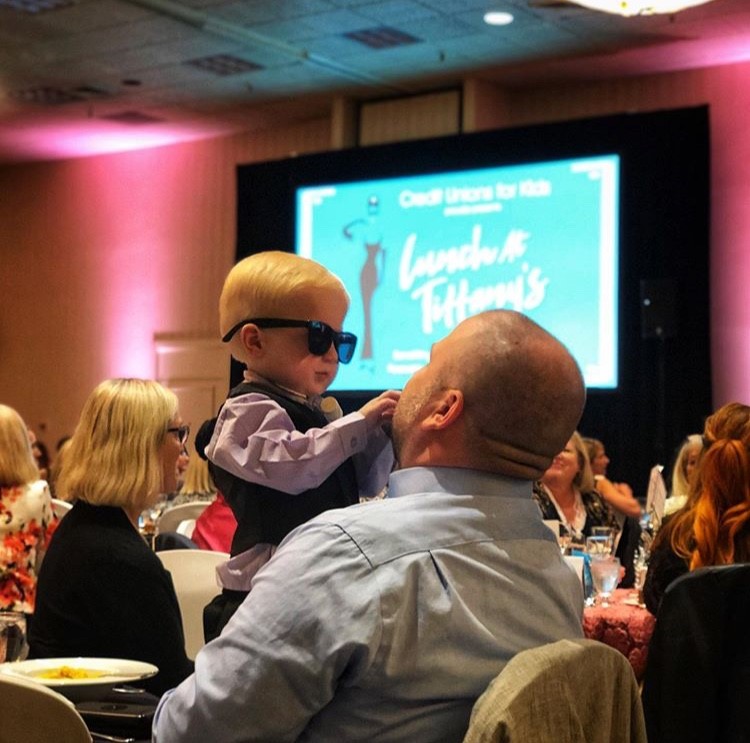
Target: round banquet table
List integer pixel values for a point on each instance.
(624, 625)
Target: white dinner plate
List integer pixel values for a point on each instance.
(108, 672)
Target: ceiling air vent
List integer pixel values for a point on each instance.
(381, 37)
(90, 91)
(46, 95)
(224, 65)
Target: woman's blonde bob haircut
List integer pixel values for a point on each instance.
(114, 457)
(270, 284)
(17, 463)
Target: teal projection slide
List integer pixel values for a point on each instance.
(419, 254)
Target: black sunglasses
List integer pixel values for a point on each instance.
(182, 433)
(319, 335)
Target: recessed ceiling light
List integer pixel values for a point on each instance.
(498, 18)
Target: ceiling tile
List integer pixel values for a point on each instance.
(100, 43)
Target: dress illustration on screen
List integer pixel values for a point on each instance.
(371, 274)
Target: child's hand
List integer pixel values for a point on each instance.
(379, 410)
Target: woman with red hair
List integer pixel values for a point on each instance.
(713, 528)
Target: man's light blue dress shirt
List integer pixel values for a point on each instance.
(383, 621)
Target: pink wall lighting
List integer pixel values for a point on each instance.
(138, 242)
(86, 137)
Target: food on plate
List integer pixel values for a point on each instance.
(68, 672)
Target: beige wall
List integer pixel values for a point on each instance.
(88, 244)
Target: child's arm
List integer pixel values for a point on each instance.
(375, 462)
(255, 440)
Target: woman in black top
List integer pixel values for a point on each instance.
(102, 592)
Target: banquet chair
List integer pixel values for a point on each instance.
(32, 713)
(567, 691)
(194, 576)
(697, 682)
(60, 507)
(172, 518)
(186, 528)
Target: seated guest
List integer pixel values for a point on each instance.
(26, 517)
(627, 510)
(57, 466)
(215, 527)
(714, 527)
(619, 495)
(566, 493)
(42, 458)
(102, 591)
(386, 620)
(682, 471)
(166, 500)
(198, 485)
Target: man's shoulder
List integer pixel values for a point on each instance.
(387, 529)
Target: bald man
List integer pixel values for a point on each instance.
(385, 621)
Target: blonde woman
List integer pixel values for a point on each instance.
(619, 495)
(682, 472)
(198, 486)
(26, 517)
(566, 492)
(102, 591)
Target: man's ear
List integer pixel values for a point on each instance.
(252, 339)
(446, 409)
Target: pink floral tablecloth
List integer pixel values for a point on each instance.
(623, 626)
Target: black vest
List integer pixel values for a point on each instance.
(265, 515)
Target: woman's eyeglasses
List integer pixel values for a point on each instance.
(182, 433)
(319, 335)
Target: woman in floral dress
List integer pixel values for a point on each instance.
(26, 516)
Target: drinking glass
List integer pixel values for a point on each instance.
(607, 532)
(598, 547)
(605, 573)
(13, 645)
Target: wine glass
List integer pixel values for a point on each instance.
(605, 574)
(13, 645)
